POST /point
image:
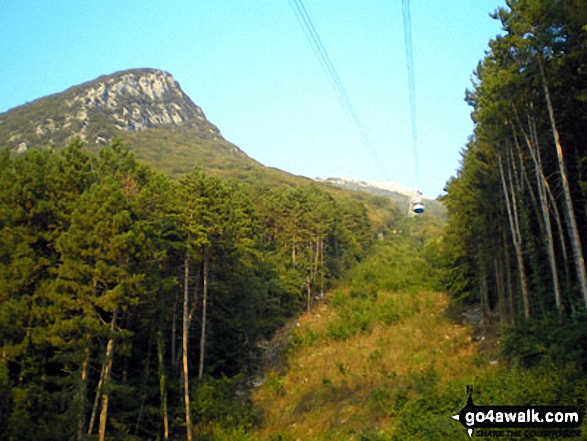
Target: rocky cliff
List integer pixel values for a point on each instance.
(96, 111)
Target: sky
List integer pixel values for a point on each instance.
(250, 67)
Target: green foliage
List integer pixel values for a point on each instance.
(218, 432)
(398, 266)
(275, 383)
(216, 399)
(531, 343)
(355, 315)
(303, 337)
(394, 266)
(91, 257)
(421, 408)
(505, 196)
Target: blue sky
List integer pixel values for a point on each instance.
(250, 67)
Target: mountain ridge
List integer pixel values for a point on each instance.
(144, 107)
(157, 120)
(384, 186)
(398, 193)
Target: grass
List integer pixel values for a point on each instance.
(381, 359)
(346, 387)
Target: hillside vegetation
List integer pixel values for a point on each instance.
(178, 151)
(517, 207)
(387, 358)
(117, 282)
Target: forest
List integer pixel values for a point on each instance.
(132, 303)
(517, 207)
(118, 281)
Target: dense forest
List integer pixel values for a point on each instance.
(517, 207)
(122, 290)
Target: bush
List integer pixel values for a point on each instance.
(275, 384)
(303, 337)
(426, 405)
(216, 400)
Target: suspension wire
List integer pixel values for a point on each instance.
(320, 51)
(407, 19)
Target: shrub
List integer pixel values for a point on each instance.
(303, 337)
(217, 400)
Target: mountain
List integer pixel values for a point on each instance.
(161, 124)
(96, 111)
(147, 109)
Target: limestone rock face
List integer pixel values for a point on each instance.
(137, 100)
(97, 111)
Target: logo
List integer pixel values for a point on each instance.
(555, 421)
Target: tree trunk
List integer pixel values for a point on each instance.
(82, 392)
(186, 386)
(485, 307)
(174, 359)
(162, 385)
(309, 294)
(512, 211)
(204, 312)
(322, 271)
(97, 399)
(107, 371)
(508, 280)
(519, 251)
(561, 235)
(541, 183)
(574, 231)
(195, 297)
(499, 284)
(315, 276)
(540, 178)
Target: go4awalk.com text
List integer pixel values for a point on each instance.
(520, 421)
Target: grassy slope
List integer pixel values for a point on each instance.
(176, 152)
(372, 344)
(381, 359)
(337, 389)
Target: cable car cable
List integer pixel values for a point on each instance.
(411, 85)
(417, 205)
(305, 21)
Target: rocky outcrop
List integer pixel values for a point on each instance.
(98, 110)
(137, 100)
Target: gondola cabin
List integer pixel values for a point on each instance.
(418, 207)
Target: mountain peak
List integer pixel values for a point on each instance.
(98, 110)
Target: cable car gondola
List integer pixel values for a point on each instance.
(418, 207)
(418, 203)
